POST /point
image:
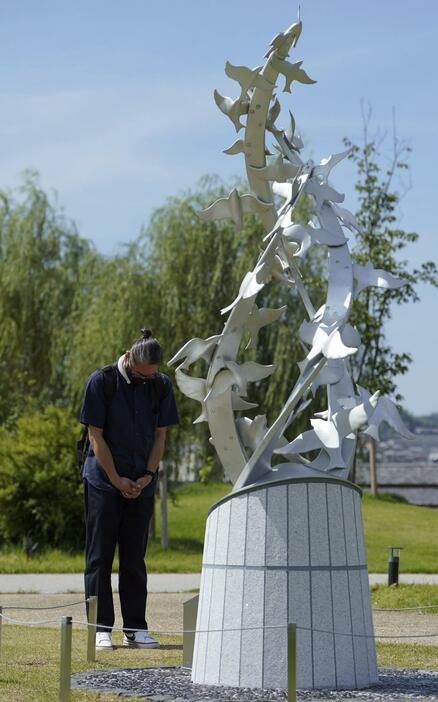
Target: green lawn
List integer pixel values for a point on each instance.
(384, 597)
(29, 670)
(388, 521)
(186, 520)
(406, 656)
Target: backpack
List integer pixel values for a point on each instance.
(109, 377)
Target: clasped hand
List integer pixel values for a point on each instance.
(132, 488)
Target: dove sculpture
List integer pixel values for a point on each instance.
(327, 338)
(288, 539)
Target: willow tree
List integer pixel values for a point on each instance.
(40, 254)
(112, 302)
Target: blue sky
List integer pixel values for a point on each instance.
(112, 103)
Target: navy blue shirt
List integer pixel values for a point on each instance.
(129, 422)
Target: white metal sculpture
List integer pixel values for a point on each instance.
(246, 446)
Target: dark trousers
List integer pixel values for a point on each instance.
(111, 519)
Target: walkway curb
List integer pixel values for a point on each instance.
(55, 583)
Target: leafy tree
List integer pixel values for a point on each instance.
(40, 252)
(112, 301)
(40, 487)
(383, 243)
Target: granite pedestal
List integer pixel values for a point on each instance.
(279, 552)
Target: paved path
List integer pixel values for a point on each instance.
(52, 583)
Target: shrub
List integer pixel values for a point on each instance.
(40, 486)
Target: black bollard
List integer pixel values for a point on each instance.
(393, 564)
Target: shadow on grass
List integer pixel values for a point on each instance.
(162, 647)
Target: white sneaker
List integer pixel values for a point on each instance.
(139, 639)
(103, 641)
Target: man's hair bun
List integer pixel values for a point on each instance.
(146, 349)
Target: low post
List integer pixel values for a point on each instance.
(291, 662)
(1, 622)
(393, 564)
(373, 466)
(190, 612)
(163, 498)
(65, 672)
(92, 621)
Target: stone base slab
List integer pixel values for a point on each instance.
(174, 685)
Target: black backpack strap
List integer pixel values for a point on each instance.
(159, 387)
(82, 449)
(109, 376)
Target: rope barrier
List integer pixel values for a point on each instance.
(78, 602)
(258, 628)
(20, 621)
(70, 604)
(218, 631)
(369, 636)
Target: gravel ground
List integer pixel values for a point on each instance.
(174, 685)
(165, 613)
(406, 623)
(164, 609)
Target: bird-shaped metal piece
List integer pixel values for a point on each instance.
(277, 169)
(255, 280)
(345, 422)
(294, 140)
(312, 235)
(330, 344)
(195, 349)
(252, 431)
(259, 318)
(238, 375)
(291, 72)
(238, 404)
(324, 168)
(234, 109)
(283, 40)
(237, 148)
(330, 434)
(273, 114)
(309, 329)
(366, 276)
(332, 373)
(234, 207)
(347, 218)
(248, 78)
(195, 388)
(385, 411)
(322, 192)
(309, 441)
